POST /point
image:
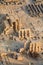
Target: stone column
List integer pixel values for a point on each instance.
(17, 25)
(37, 48)
(22, 34)
(40, 47)
(7, 26)
(14, 26)
(27, 33)
(31, 47)
(34, 47)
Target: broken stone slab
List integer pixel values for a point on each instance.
(20, 58)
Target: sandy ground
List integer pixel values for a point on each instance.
(24, 59)
(12, 45)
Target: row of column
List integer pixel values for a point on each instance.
(7, 2)
(23, 34)
(35, 9)
(35, 47)
(15, 26)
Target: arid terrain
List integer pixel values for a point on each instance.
(21, 32)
